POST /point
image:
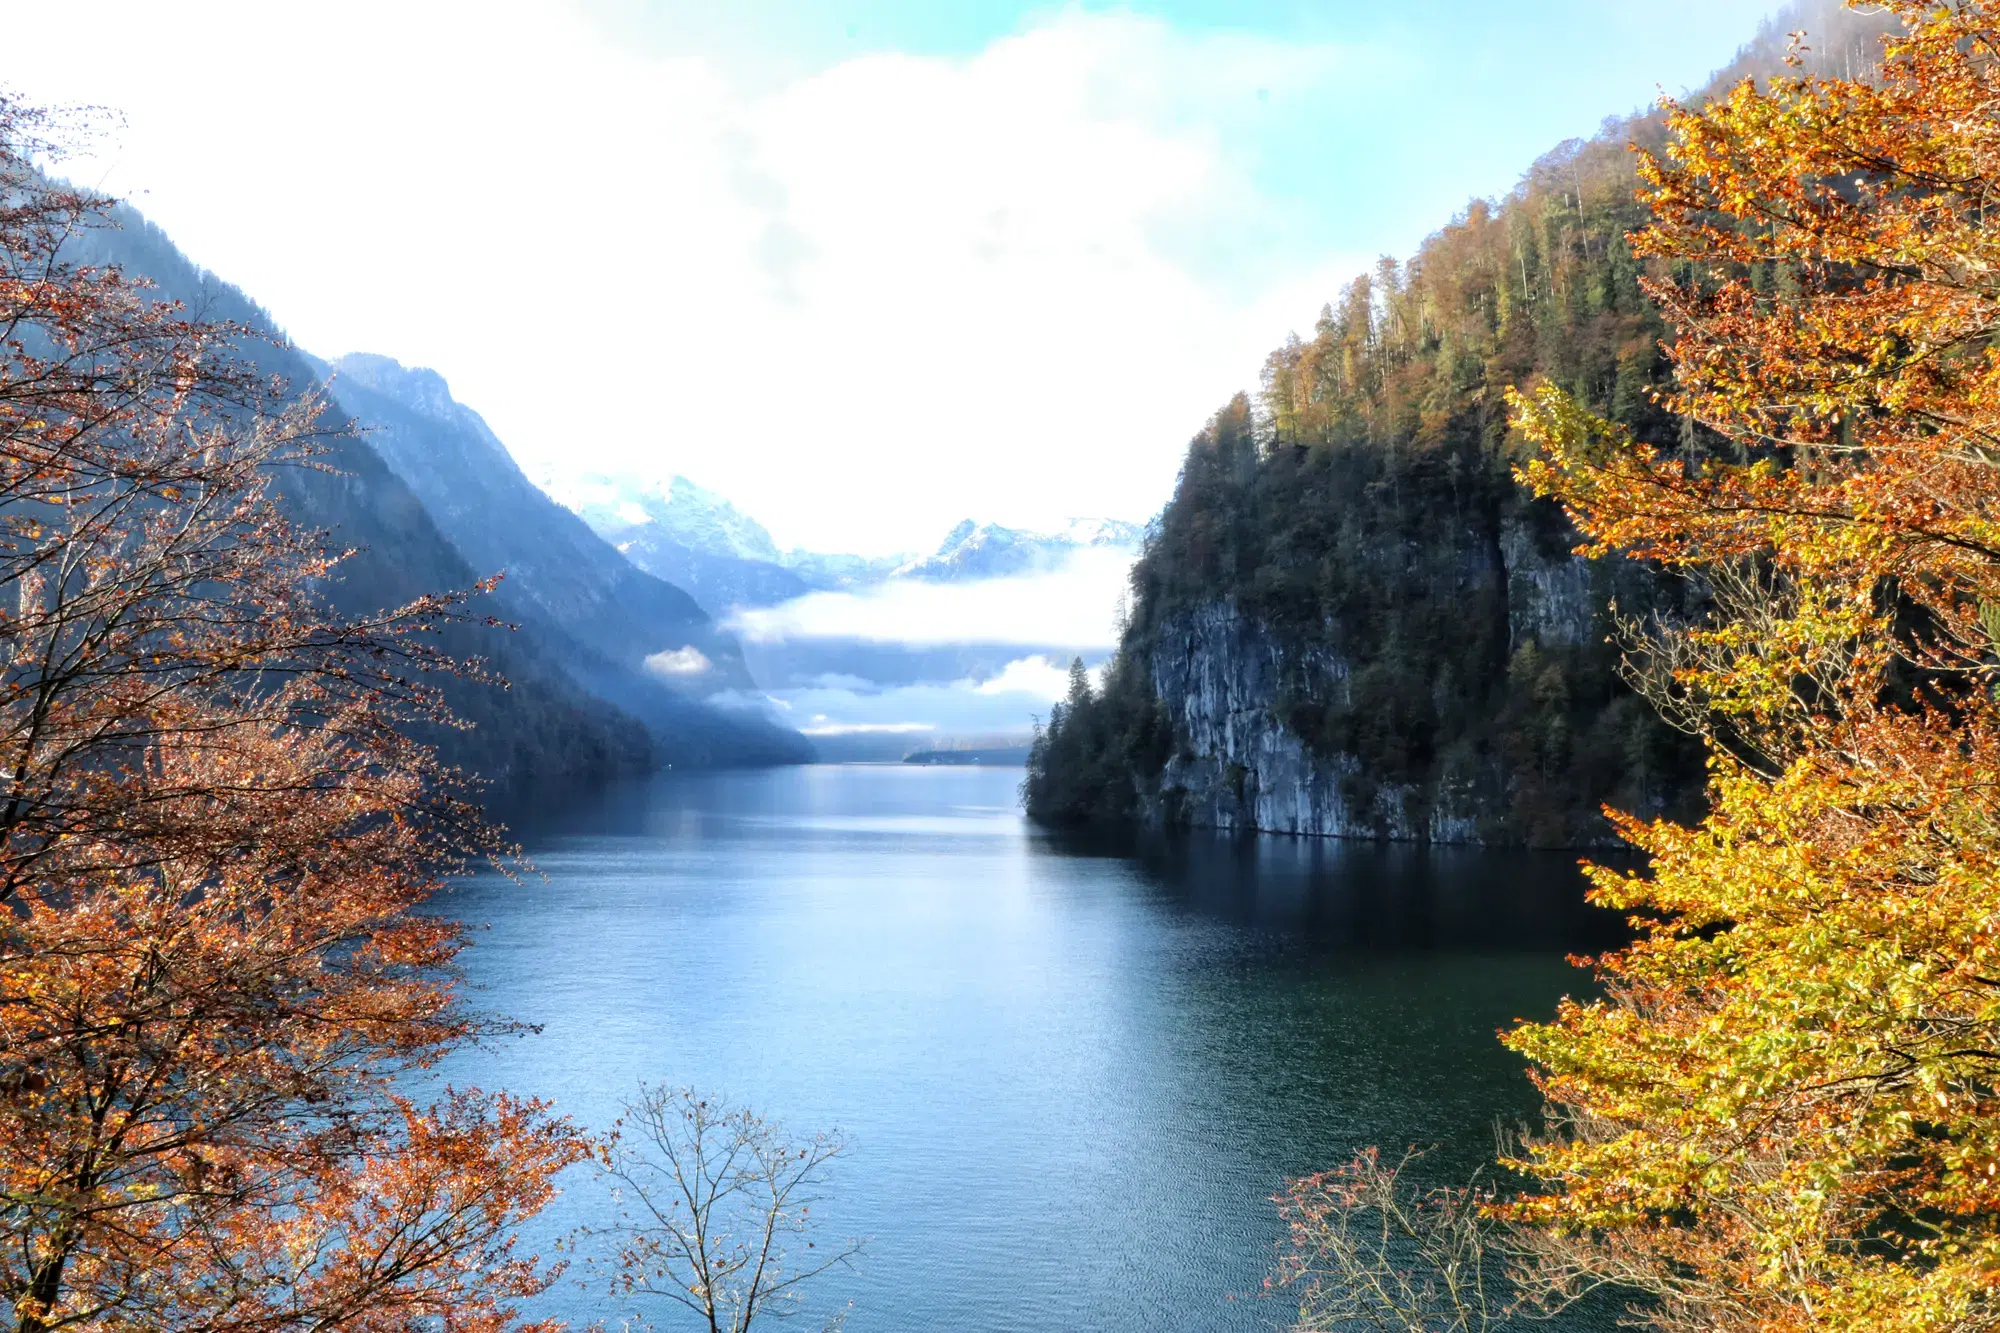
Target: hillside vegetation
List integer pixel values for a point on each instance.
(566, 705)
(1436, 640)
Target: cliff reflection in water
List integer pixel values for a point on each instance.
(1348, 894)
(1074, 1070)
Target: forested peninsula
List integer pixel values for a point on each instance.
(1350, 619)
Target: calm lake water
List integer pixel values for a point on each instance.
(1072, 1075)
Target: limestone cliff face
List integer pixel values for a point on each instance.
(1225, 681)
(1221, 679)
(1550, 595)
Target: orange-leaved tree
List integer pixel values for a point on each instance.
(1783, 1111)
(217, 995)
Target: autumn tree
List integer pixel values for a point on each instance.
(1782, 1112)
(217, 996)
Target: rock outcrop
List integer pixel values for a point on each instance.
(1226, 683)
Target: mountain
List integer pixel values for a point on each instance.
(682, 510)
(865, 675)
(623, 634)
(555, 567)
(542, 733)
(832, 572)
(686, 536)
(989, 551)
(1349, 620)
(718, 582)
(697, 540)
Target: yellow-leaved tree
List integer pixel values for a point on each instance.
(1784, 1110)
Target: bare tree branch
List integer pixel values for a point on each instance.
(716, 1209)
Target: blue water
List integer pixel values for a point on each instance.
(1071, 1075)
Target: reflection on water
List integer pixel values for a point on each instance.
(1334, 894)
(1074, 1070)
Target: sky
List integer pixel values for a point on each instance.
(865, 268)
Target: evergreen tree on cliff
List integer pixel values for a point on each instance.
(1438, 650)
(1077, 765)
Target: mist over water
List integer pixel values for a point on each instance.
(1072, 1072)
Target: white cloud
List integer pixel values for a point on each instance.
(688, 661)
(1036, 677)
(867, 729)
(838, 680)
(861, 303)
(1072, 607)
(1002, 706)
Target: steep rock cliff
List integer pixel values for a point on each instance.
(1238, 694)
(1223, 680)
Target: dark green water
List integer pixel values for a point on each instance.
(1072, 1075)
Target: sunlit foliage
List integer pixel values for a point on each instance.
(216, 987)
(1782, 1114)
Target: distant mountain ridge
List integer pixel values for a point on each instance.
(990, 551)
(625, 635)
(688, 536)
(558, 723)
(690, 514)
(696, 539)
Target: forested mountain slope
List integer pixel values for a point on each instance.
(1349, 620)
(542, 731)
(623, 634)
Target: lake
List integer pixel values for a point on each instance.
(1072, 1073)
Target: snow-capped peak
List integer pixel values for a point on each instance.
(990, 550)
(1100, 532)
(687, 513)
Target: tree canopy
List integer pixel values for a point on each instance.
(217, 989)
(1780, 1115)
